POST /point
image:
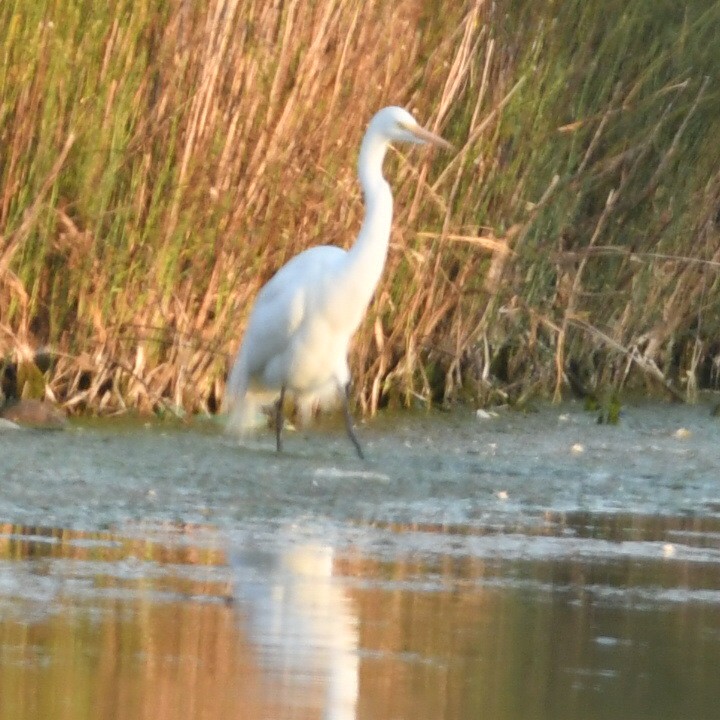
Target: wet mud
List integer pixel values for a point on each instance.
(533, 565)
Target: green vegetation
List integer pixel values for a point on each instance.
(160, 160)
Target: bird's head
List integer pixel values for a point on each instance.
(398, 125)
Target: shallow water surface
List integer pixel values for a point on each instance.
(534, 566)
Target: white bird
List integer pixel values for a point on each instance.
(300, 327)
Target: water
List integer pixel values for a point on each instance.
(535, 566)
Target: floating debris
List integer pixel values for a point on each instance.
(485, 414)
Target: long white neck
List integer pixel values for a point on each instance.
(366, 258)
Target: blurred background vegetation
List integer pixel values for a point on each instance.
(160, 160)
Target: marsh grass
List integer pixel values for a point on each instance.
(161, 160)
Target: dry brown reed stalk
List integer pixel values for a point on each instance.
(571, 303)
(672, 150)
(633, 356)
(11, 243)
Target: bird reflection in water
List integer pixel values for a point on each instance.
(303, 625)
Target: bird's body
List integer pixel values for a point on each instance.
(302, 321)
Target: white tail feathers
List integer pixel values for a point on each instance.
(243, 414)
(236, 404)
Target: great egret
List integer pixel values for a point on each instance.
(300, 326)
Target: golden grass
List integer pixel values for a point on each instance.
(162, 160)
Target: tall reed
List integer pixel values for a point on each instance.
(161, 160)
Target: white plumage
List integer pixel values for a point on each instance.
(303, 319)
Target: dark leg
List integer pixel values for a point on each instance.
(279, 419)
(344, 393)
